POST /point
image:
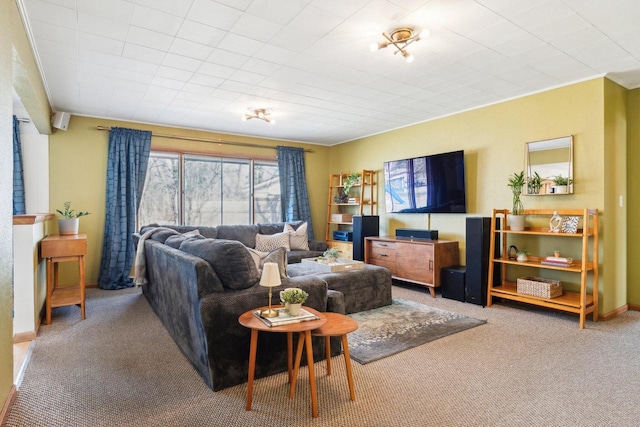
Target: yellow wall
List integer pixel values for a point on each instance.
(615, 182)
(78, 168)
(493, 139)
(633, 198)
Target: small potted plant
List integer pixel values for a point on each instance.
(521, 256)
(293, 298)
(349, 181)
(561, 184)
(534, 184)
(516, 219)
(70, 221)
(330, 255)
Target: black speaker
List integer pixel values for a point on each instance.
(478, 232)
(417, 233)
(363, 226)
(452, 281)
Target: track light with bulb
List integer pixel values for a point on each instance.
(400, 38)
(259, 113)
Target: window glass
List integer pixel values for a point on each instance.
(159, 202)
(215, 190)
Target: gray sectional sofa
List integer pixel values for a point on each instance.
(198, 286)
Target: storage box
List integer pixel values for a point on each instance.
(341, 217)
(539, 287)
(341, 264)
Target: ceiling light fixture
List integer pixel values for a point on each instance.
(259, 113)
(400, 38)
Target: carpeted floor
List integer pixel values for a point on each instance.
(524, 367)
(388, 330)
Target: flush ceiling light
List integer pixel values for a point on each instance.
(400, 38)
(259, 113)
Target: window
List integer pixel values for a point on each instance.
(208, 190)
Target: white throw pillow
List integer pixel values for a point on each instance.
(298, 239)
(270, 242)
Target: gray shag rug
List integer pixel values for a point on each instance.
(400, 326)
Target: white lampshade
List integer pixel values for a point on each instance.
(270, 275)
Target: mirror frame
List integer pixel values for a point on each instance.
(547, 188)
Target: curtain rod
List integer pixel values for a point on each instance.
(213, 141)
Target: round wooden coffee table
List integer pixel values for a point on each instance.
(249, 320)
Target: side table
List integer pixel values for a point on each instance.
(248, 320)
(57, 248)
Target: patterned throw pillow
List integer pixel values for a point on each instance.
(270, 242)
(298, 239)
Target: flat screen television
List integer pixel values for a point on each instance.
(427, 184)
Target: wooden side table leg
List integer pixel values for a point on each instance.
(49, 290)
(327, 352)
(432, 291)
(252, 366)
(347, 363)
(312, 377)
(82, 286)
(290, 355)
(296, 366)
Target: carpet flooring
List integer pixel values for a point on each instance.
(388, 330)
(525, 367)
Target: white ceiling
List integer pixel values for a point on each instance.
(201, 63)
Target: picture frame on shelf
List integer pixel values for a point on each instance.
(570, 224)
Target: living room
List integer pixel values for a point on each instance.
(602, 116)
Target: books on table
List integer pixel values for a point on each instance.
(557, 261)
(284, 318)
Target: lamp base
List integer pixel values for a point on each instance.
(269, 313)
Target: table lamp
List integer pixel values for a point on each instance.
(270, 279)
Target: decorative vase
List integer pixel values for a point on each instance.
(294, 309)
(68, 226)
(555, 222)
(516, 222)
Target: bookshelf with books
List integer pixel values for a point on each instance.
(582, 301)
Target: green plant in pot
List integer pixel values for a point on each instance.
(330, 255)
(516, 219)
(69, 223)
(561, 184)
(349, 181)
(293, 298)
(534, 183)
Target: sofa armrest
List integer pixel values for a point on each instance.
(318, 245)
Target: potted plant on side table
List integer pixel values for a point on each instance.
(293, 298)
(70, 221)
(516, 219)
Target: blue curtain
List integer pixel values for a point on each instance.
(293, 186)
(18, 176)
(126, 171)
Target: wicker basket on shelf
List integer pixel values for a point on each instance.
(539, 287)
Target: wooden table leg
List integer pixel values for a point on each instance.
(49, 290)
(327, 352)
(347, 362)
(252, 366)
(290, 355)
(312, 377)
(82, 287)
(296, 366)
(432, 291)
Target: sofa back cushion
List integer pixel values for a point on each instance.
(177, 240)
(277, 227)
(245, 234)
(230, 259)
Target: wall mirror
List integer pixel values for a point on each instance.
(549, 166)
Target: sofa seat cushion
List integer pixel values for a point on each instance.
(230, 259)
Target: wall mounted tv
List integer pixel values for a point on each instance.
(427, 184)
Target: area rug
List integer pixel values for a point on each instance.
(400, 326)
